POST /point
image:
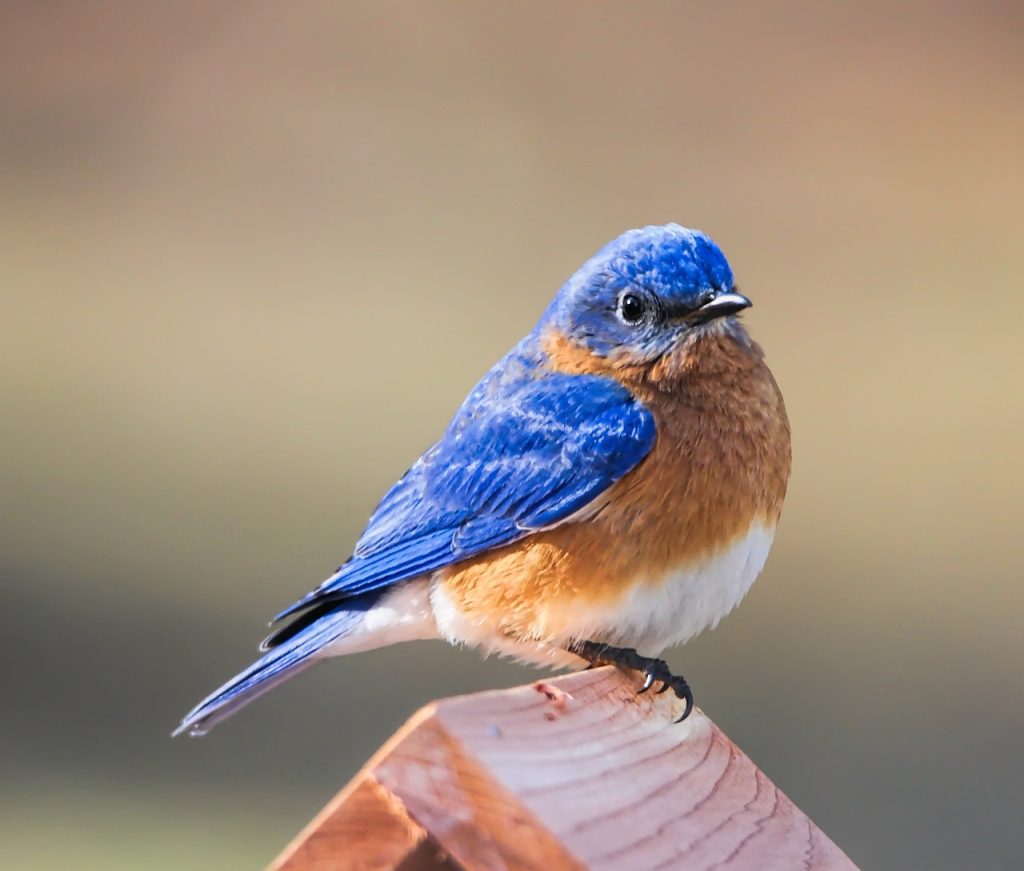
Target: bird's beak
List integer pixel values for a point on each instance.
(727, 303)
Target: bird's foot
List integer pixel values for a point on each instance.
(654, 670)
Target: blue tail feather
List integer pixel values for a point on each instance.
(279, 664)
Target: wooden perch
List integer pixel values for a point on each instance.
(575, 772)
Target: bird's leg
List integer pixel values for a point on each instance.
(626, 657)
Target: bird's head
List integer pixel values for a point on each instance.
(641, 295)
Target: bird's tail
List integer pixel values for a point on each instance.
(292, 652)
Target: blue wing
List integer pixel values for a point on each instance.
(526, 450)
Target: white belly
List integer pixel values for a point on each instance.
(654, 614)
(661, 612)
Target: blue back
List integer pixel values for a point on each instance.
(527, 449)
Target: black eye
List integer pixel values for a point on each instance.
(631, 308)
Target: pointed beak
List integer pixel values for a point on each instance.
(727, 303)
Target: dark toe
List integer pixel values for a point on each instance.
(683, 691)
(688, 696)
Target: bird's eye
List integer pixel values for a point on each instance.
(631, 308)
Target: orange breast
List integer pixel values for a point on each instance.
(720, 463)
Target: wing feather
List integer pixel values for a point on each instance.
(524, 453)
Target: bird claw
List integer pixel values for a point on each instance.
(687, 696)
(682, 690)
(653, 670)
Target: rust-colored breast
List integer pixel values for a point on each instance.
(720, 464)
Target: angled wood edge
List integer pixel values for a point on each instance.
(574, 772)
(362, 807)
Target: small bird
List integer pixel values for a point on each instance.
(609, 489)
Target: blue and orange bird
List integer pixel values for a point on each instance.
(609, 489)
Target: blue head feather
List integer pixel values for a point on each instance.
(671, 269)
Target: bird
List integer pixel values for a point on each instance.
(609, 489)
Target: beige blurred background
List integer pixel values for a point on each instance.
(252, 256)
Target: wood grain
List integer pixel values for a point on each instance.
(575, 772)
(366, 824)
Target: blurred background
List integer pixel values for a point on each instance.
(254, 255)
